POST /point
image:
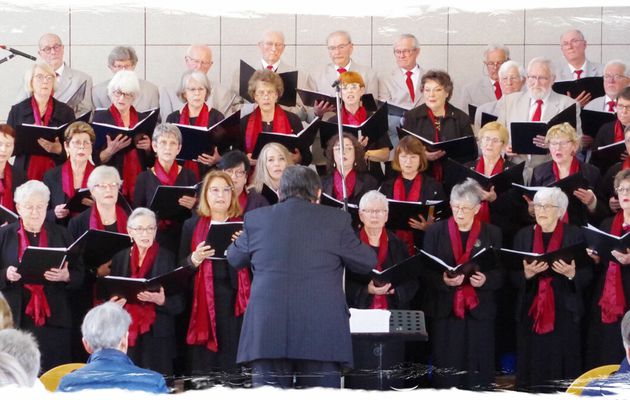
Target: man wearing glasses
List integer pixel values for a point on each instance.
(73, 87)
(615, 80)
(488, 88)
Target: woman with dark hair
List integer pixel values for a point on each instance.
(607, 187)
(40, 108)
(266, 87)
(220, 294)
(236, 164)
(358, 182)
(437, 119)
(10, 176)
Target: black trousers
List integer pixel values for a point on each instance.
(292, 373)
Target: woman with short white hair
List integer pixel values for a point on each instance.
(462, 305)
(129, 158)
(42, 308)
(152, 331)
(549, 301)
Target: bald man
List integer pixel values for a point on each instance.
(199, 58)
(73, 87)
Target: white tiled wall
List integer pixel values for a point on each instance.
(451, 39)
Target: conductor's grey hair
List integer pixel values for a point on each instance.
(299, 181)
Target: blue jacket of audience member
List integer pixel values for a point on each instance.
(616, 384)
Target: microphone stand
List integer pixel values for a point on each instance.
(7, 58)
(337, 86)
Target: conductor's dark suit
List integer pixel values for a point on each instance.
(297, 309)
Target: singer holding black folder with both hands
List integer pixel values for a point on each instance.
(220, 295)
(152, 330)
(129, 158)
(43, 309)
(363, 292)
(611, 294)
(550, 299)
(462, 307)
(40, 108)
(266, 87)
(194, 90)
(10, 176)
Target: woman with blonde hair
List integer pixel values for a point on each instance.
(273, 160)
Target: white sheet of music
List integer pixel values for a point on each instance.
(369, 321)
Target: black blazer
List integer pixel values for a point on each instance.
(364, 183)
(439, 302)
(430, 190)
(297, 308)
(164, 263)
(605, 134)
(606, 185)
(52, 179)
(356, 284)
(296, 127)
(255, 200)
(57, 293)
(147, 183)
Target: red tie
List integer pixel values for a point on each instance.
(611, 105)
(341, 70)
(497, 90)
(409, 83)
(578, 72)
(270, 67)
(538, 111)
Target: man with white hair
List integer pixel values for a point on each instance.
(125, 58)
(538, 103)
(23, 347)
(73, 87)
(615, 80)
(105, 332)
(199, 58)
(487, 88)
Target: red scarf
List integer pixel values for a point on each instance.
(6, 188)
(255, 126)
(202, 329)
(543, 308)
(37, 307)
(131, 162)
(242, 200)
(573, 169)
(626, 163)
(67, 178)
(202, 120)
(244, 285)
(613, 299)
(484, 212)
(465, 295)
(438, 170)
(351, 180)
(38, 165)
(142, 315)
(356, 119)
(618, 132)
(166, 178)
(379, 301)
(413, 195)
(121, 219)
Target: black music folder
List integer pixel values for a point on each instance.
(483, 261)
(302, 139)
(593, 120)
(309, 98)
(99, 246)
(225, 135)
(75, 204)
(396, 110)
(289, 80)
(145, 126)
(605, 157)
(374, 127)
(174, 282)
(502, 181)
(399, 273)
(269, 194)
(220, 236)
(592, 84)
(353, 209)
(77, 96)
(401, 211)
(27, 135)
(568, 185)
(165, 201)
(513, 259)
(7, 215)
(604, 242)
(455, 148)
(522, 134)
(472, 111)
(486, 118)
(37, 260)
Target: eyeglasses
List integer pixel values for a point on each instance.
(623, 107)
(34, 207)
(544, 207)
(198, 62)
(535, 78)
(340, 47)
(403, 52)
(118, 93)
(511, 78)
(560, 143)
(263, 93)
(215, 191)
(346, 149)
(490, 140)
(239, 173)
(143, 229)
(278, 45)
(614, 77)
(196, 90)
(622, 189)
(105, 186)
(122, 66)
(44, 78)
(80, 144)
(48, 49)
(351, 86)
(376, 213)
(570, 43)
(464, 209)
(495, 64)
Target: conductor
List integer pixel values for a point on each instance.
(296, 322)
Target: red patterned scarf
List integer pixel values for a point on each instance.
(6, 188)
(142, 315)
(484, 212)
(618, 130)
(413, 195)
(613, 300)
(379, 301)
(351, 180)
(573, 169)
(131, 160)
(67, 178)
(121, 219)
(465, 295)
(166, 178)
(356, 119)
(254, 126)
(38, 165)
(37, 307)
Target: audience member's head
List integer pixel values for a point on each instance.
(11, 372)
(23, 347)
(6, 316)
(106, 327)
